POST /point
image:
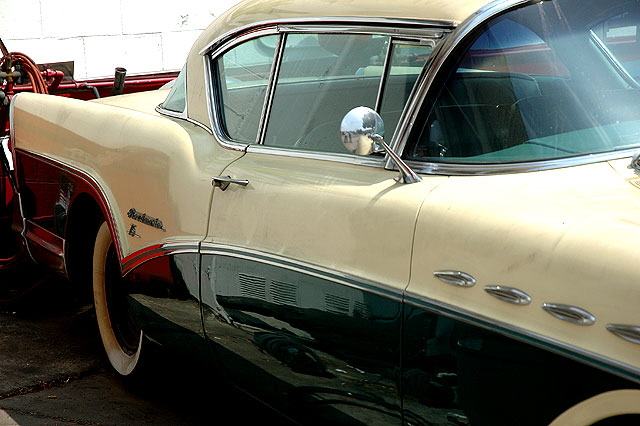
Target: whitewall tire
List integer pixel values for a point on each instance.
(122, 340)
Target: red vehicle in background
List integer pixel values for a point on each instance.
(19, 73)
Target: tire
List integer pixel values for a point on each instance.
(121, 337)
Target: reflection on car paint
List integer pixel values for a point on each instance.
(305, 344)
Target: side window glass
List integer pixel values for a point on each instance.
(243, 78)
(476, 112)
(407, 61)
(321, 78)
(536, 85)
(176, 99)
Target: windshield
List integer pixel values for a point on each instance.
(551, 80)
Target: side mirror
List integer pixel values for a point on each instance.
(361, 131)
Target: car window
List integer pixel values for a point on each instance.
(407, 61)
(321, 78)
(176, 99)
(534, 86)
(243, 79)
(620, 35)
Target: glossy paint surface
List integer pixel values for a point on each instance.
(169, 166)
(354, 219)
(302, 340)
(456, 371)
(164, 297)
(523, 233)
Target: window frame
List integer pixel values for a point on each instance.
(398, 31)
(444, 58)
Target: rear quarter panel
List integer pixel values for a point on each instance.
(138, 160)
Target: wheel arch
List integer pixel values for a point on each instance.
(86, 214)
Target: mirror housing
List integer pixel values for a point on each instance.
(361, 131)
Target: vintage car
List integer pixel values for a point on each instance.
(366, 212)
(19, 73)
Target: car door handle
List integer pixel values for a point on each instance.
(223, 182)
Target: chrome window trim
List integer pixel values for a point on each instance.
(353, 159)
(212, 109)
(341, 25)
(304, 268)
(271, 88)
(212, 96)
(359, 23)
(181, 115)
(175, 114)
(601, 362)
(373, 29)
(613, 60)
(466, 169)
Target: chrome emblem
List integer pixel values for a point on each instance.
(153, 222)
(132, 231)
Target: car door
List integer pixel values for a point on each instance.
(309, 246)
(516, 272)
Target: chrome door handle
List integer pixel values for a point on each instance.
(223, 182)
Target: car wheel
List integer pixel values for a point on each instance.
(121, 337)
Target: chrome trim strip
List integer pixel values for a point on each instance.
(614, 61)
(304, 268)
(179, 116)
(213, 107)
(455, 278)
(630, 333)
(146, 254)
(614, 366)
(572, 314)
(173, 114)
(375, 29)
(508, 294)
(92, 183)
(383, 77)
(330, 23)
(459, 169)
(271, 88)
(357, 160)
(211, 88)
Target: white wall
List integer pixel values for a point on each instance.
(99, 35)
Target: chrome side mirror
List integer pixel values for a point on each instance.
(362, 131)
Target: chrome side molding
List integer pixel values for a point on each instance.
(457, 278)
(569, 313)
(508, 294)
(630, 333)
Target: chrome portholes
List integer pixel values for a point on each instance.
(572, 314)
(508, 294)
(630, 333)
(456, 278)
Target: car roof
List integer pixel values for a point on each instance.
(251, 12)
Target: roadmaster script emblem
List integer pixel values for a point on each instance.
(154, 222)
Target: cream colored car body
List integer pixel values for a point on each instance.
(563, 236)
